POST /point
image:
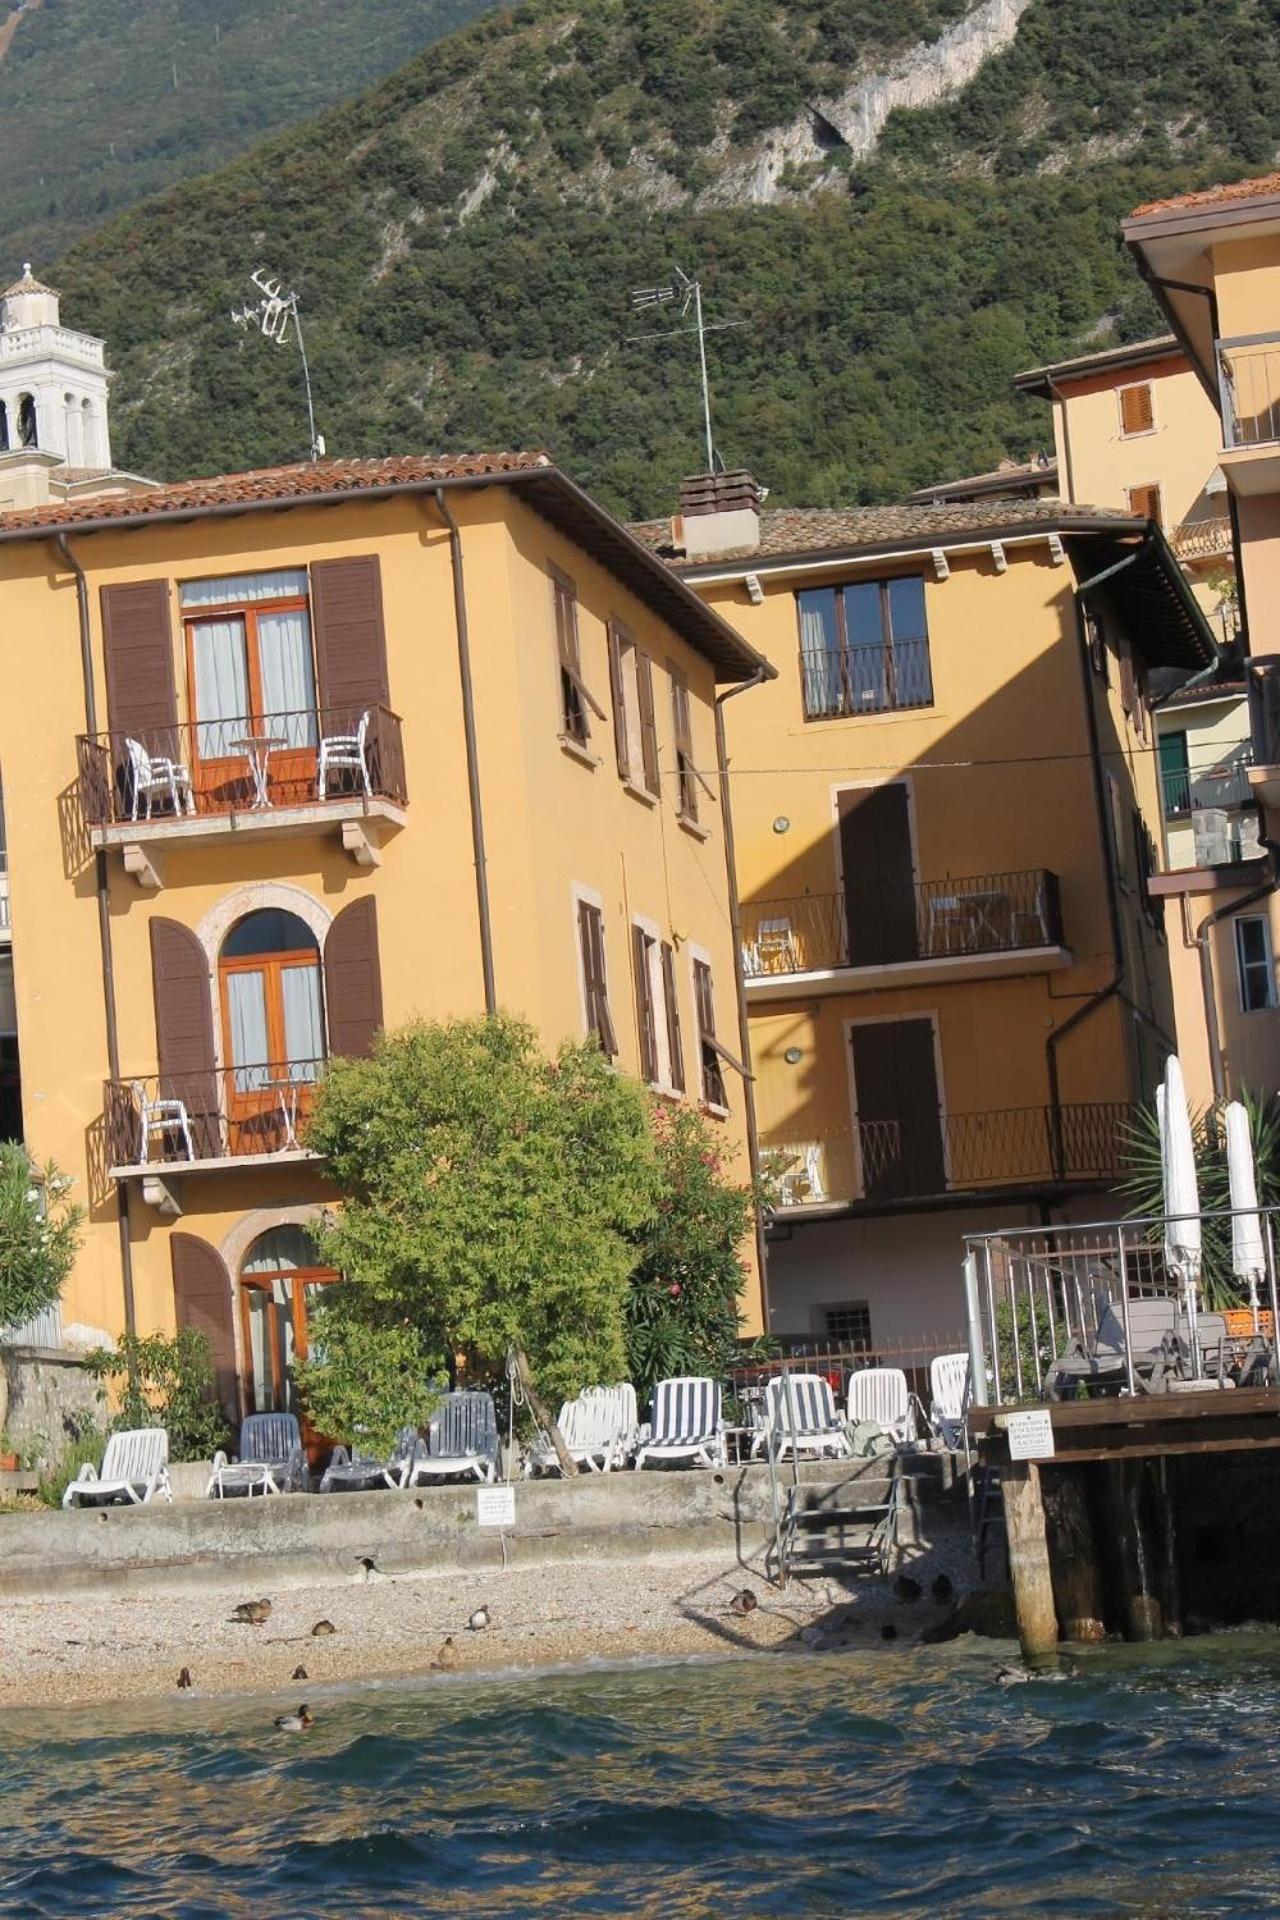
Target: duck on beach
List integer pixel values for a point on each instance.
(295, 1722)
(251, 1613)
(479, 1620)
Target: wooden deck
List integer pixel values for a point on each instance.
(1122, 1427)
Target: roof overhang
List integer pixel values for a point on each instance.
(1187, 882)
(1041, 381)
(549, 491)
(1162, 615)
(1173, 246)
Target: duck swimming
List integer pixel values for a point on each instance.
(295, 1722)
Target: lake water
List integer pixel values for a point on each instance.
(904, 1783)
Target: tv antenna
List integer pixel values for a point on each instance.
(689, 293)
(271, 315)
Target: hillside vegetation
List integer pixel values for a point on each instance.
(466, 235)
(105, 101)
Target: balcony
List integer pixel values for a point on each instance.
(937, 930)
(1264, 730)
(1249, 402)
(201, 783)
(1199, 541)
(879, 1164)
(171, 1125)
(1223, 787)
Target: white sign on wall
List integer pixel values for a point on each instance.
(1030, 1435)
(496, 1506)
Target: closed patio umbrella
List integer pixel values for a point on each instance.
(1181, 1194)
(1248, 1255)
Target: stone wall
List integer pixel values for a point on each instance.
(49, 1394)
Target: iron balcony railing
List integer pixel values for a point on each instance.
(1208, 539)
(1224, 786)
(1249, 389)
(891, 1160)
(174, 1120)
(853, 680)
(933, 920)
(204, 768)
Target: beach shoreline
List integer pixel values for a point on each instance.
(99, 1647)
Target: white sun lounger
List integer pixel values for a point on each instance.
(271, 1459)
(462, 1438)
(810, 1424)
(134, 1467)
(881, 1394)
(598, 1429)
(949, 1398)
(685, 1424)
(358, 1472)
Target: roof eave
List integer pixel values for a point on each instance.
(980, 535)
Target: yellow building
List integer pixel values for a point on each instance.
(945, 809)
(292, 755)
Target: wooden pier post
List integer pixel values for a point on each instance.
(1140, 1569)
(1029, 1558)
(1077, 1575)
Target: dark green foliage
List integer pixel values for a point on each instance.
(40, 1234)
(91, 120)
(884, 307)
(682, 1311)
(165, 1382)
(368, 1371)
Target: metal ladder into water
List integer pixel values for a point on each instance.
(865, 1532)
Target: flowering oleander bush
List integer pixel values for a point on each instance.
(40, 1234)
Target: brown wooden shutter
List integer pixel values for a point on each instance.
(616, 641)
(1128, 682)
(137, 644)
(648, 722)
(202, 1299)
(351, 640)
(184, 1030)
(646, 1012)
(713, 1087)
(1146, 501)
(671, 1000)
(353, 980)
(595, 975)
(686, 785)
(1137, 414)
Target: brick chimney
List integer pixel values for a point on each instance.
(719, 513)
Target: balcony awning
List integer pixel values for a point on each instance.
(1162, 616)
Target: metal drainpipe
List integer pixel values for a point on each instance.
(104, 921)
(473, 758)
(735, 930)
(1113, 986)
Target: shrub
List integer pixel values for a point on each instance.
(39, 1234)
(165, 1381)
(86, 1440)
(366, 1378)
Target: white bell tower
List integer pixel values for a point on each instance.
(53, 383)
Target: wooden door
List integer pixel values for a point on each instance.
(879, 877)
(895, 1079)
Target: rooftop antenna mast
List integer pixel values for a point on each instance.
(689, 293)
(271, 315)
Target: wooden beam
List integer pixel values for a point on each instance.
(1029, 1559)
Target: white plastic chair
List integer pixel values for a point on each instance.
(598, 1430)
(271, 1459)
(801, 1185)
(881, 1394)
(159, 1118)
(685, 1424)
(135, 1465)
(151, 773)
(811, 1424)
(949, 1398)
(344, 753)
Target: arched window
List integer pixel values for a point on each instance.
(91, 453)
(272, 1000)
(26, 420)
(4, 427)
(280, 1282)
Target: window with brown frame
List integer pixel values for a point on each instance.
(577, 702)
(1095, 635)
(671, 1002)
(714, 1093)
(686, 771)
(1146, 501)
(281, 1283)
(657, 1011)
(595, 984)
(1137, 409)
(273, 1033)
(250, 677)
(635, 728)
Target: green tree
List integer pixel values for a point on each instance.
(682, 1307)
(491, 1195)
(367, 1372)
(40, 1234)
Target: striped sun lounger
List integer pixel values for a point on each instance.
(685, 1423)
(800, 1416)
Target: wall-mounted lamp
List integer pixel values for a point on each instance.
(782, 824)
(793, 1056)
(755, 592)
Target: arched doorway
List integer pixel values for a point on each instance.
(273, 1037)
(281, 1278)
(27, 430)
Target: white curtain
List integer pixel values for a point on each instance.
(259, 1349)
(247, 1002)
(222, 686)
(281, 1249)
(303, 1020)
(243, 589)
(288, 683)
(819, 651)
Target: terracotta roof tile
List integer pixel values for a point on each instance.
(1256, 189)
(269, 486)
(817, 530)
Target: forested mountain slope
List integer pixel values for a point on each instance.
(105, 101)
(465, 236)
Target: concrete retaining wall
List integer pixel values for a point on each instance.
(308, 1538)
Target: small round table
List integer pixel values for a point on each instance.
(257, 748)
